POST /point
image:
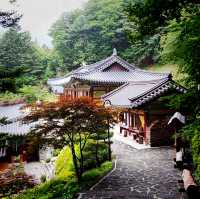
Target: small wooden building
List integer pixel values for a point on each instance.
(134, 91)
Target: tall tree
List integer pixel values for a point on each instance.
(90, 35)
(150, 18)
(16, 49)
(70, 122)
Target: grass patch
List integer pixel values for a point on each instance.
(92, 176)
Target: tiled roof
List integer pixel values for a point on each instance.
(57, 89)
(16, 128)
(121, 76)
(95, 72)
(135, 94)
(13, 114)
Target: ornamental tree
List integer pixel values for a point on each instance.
(70, 122)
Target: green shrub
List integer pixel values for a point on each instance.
(192, 133)
(53, 189)
(48, 160)
(10, 97)
(61, 188)
(33, 93)
(89, 153)
(196, 153)
(43, 178)
(56, 152)
(64, 164)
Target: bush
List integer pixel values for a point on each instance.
(64, 164)
(53, 189)
(192, 133)
(56, 152)
(196, 153)
(48, 160)
(43, 178)
(33, 93)
(13, 181)
(10, 97)
(61, 188)
(90, 159)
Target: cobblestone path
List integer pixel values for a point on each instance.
(139, 174)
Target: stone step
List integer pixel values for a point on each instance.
(114, 195)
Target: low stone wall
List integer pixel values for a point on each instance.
(8, 103)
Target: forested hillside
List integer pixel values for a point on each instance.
(89, 35)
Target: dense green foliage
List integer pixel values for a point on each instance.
(92, 158)
(64, 164)
(33, 93)
(53, 189)
(23, 62)
(178, 23)
(151, 15)
(90, 35)
(61, 188)
(28, 94)
(8, 78)
(16, 49)
(181, 45)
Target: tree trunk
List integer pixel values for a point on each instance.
(109, 144)
(81, 158)
(96, 152)
(78, 175)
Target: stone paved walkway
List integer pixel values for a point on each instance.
(139, 174)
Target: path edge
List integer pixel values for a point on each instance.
(104, 177)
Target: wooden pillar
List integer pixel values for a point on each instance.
(129, 118)
(126, 119)
(145, 125)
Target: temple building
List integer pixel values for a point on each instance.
(136, 93)
(15, 143)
